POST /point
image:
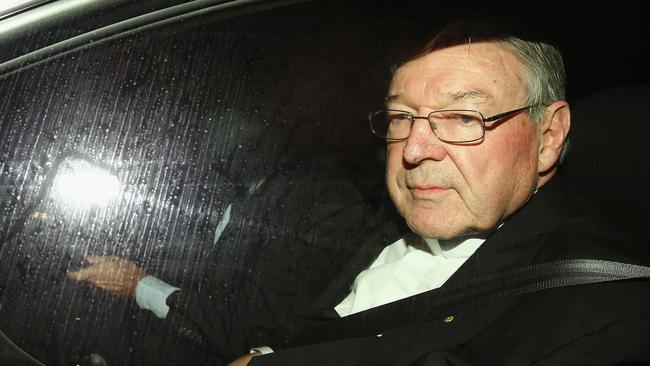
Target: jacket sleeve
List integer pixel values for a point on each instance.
(281, 247)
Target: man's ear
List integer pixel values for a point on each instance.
(552, 135)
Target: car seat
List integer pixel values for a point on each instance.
(607, 159)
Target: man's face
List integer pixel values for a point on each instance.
(448, 190)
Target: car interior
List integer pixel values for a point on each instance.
(145, 129)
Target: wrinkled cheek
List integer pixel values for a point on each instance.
(394, 173)
(512, 155)
(510, 179)
(400, 196)
(523, 162)
(397, 192)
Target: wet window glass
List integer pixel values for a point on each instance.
(210, 147)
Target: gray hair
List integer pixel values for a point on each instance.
(543, 76)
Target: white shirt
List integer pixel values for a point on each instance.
(402, 270)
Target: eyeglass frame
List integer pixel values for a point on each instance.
(484, 120)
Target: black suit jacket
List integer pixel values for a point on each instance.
(283, 245)
(589, 324)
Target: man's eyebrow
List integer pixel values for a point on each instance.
(452, 97)
(456, 96)
(462, 95)
(392, 97)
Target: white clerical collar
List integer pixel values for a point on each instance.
(454, 248)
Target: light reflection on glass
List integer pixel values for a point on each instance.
(87, 185)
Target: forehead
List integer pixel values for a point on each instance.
(482, 70)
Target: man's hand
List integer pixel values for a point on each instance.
(244, 360)
(113, 274)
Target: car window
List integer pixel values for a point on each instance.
(204, 146)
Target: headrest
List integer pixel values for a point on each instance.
(608, 159)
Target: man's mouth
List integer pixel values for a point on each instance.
(427, 191)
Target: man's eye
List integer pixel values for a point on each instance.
(399, 117)
(466, 118)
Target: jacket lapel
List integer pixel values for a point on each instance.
(522, 235)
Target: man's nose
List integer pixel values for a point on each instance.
(422, 144)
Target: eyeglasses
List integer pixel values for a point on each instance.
(455, 126)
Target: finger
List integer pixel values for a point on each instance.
(108, 286)
(92, 259)
(80, 275)
(87, 273)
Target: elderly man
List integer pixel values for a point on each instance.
(476, 125)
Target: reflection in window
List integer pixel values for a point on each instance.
(200, 149)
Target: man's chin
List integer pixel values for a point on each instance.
(432, 230)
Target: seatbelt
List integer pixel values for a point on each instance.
(445, 301)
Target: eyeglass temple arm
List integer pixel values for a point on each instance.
(505, 114)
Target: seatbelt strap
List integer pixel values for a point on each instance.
(445, 301)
